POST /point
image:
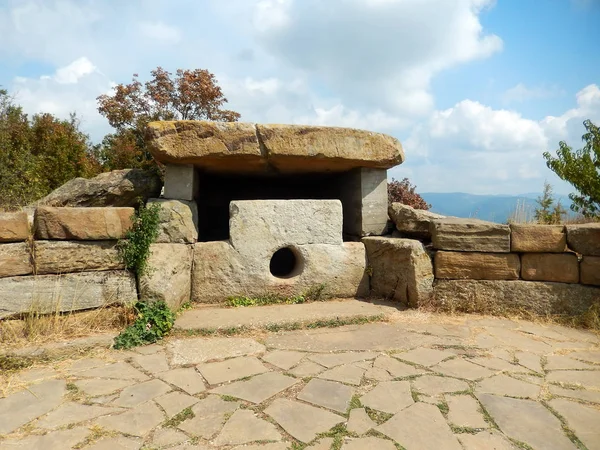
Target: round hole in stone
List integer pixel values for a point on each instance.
(285, 263)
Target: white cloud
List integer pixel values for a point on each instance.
(160, 31)
(73, 72)
(522, 93)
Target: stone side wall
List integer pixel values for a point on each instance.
(486, 267)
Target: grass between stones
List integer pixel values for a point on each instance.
(377, 416)
(563, 422)
(178, 418)
(314, 293)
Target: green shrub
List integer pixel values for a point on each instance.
(135, 248)
(153, 322)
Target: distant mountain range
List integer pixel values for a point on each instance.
(495, 208)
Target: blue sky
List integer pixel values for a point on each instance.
(476, 90)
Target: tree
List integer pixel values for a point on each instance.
(404, 192)
(581, 168)
(190, 95)
(548, 213)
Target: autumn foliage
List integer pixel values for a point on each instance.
(404, 192)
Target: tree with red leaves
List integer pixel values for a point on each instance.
(404, 192)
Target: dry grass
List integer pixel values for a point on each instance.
(36, 328)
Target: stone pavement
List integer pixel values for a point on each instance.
(417, 382)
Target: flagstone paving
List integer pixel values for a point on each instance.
(413, 382)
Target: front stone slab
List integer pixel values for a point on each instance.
(470, 235)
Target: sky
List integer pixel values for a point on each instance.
(476, 90)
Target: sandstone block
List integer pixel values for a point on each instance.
(15, 259)
(116, 188)
(559, 267)
(178, 221)
(477, 266)
(538, 238)
(590, 270)
(584, 238)
(170, 274)
(76, 256)
(470, 235)
(90, 224)
(400, 269)
(14, 226)
(259, 227)
(70, 292)
(501, 297)
(220, 271)
(412, 222)
(181, 182)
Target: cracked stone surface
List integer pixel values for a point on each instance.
(236, 393)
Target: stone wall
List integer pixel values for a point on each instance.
(487, 267)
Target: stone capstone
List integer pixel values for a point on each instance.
(499, 297)
(169, 277)
(14, 226)
(75, 256)
(470, 235)
(400, 269)
(584, 238)
(82, 223)
(412, 222)
(537, 238)
(590, 270)
(178, 221)
(69, 292)
(116, 188)
(559, 267)
(477, 266)
(15, 259)
(248, 148)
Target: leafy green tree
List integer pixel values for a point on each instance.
(189, 95)
(549, 213)
(581, 168)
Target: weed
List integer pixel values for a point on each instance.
(174, 421)
(13, 363)
(464, 430)
(443, 407)
(337, 433)
(135, 248)
(377, 416)
(228, 398)
(154, 321)
(313, 293)
(297, 446)
(355, 402)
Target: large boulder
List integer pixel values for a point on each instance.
(412, 222)
(178, 221)
(584, 238)
(400, 270)
(14, 226)
(470, 235)
(116, 188)
(506, 297)
(82, 224)
(248, 148)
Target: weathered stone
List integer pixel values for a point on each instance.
(582, 419)
(14, 226)
(505, 385)
(82, 224)
(209, 415)
(116, 443)
(581, 394)
(368, 443)
(166, 437)
(175, 402)
(533, 425)
(257, 389)
(562, 362)
(586, 378)
(558, 267)
(337, 359)
(141, 393)
(220, 271)
(529, 238)
(347, 373)
(485, 440)
(590, 270)
(136, 422)
(500, 297)
(424, 356)
(55, 257)
(283, 359)
(388, 396)
(195, 351)
(186, 379)
(477, 266)
(400, 269)
(497, 364)
(116, 188)
(530, 360)
(395, 367)
(72, 413)
(170, 275)
(119, 370)
(470, 235)
(412, 222)
(359, 421)
(461, 368)
(328, 394)
(434, 385)
(307, 369)
(378, 374)
(154, 363)
(302, 421)
(364, 197)
(231, 369)
(244, 427)
(70, 292)
(22, 407)
(181, 182)
(15, 259)
(464, 411)
(420, 426)
(178, 221)
(584, 238)
(100, 386)
(57, 440)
